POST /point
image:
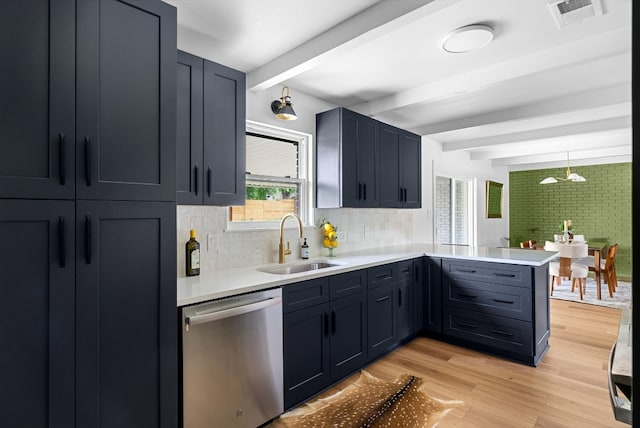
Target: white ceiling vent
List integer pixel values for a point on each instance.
(568, 12)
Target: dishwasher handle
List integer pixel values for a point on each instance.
(216, 315)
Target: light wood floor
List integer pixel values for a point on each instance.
(568, 388)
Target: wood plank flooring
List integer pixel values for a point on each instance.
(568, 388)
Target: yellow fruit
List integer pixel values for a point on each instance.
(334, 244)
(327, 227)
(326, 242)
(332, 235)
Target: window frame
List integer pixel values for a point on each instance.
(305, 178)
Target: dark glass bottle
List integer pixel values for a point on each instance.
(193, 255)
(304, 250)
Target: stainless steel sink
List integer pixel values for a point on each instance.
(297, 268)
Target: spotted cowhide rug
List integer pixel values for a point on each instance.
(372, 402)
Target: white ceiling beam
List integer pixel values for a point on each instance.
(556, 145)
(603, 97)
(559, 159)
(376, 21)
(570, 54)
(604, 125)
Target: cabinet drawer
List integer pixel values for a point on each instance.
(405, 269)
(503, 300)
(381, 275)
(495, 273)
(490, 330)
(305, 294)
(345, 284)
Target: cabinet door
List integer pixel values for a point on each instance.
(189, 185)
(368, 161)
(37, 125)
(359, 141)
(432, 284)
(405, 308)
(306, 353)
(37, 300)
(126, 100)
(348, 335)
(382, 320)
(126, 314)
(224, 135)
(390, 191)
(411, 170)
(418, 294)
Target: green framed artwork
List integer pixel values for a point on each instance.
(494, 199)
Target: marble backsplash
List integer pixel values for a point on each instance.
(221, 248)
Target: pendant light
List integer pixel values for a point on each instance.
(571, 176)
(282, 108)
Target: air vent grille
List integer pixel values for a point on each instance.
(568, 12)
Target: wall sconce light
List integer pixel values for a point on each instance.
(282, 107)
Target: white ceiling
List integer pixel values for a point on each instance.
(523, 101)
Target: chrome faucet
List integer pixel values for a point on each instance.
(281, 250)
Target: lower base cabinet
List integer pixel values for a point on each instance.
(324, 333)
(88, 305)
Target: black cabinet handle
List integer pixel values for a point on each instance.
(399, 298)
(63, 159)
(467, 325)
(510, 302)
(62, 246)
(195, 179)
(382, 299)
(209, 181)
(87, 160)
(333, 322)
(506, 275)
(326, 325)
(87, 239)
(467, 296)
(359, 191)
(364, 191)
(466, 271)
(500, 332)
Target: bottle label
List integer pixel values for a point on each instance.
(304, 253)
(195, 259)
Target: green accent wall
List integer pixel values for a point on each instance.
(600, 208)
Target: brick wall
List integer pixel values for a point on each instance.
(599, 208)
(443, 210)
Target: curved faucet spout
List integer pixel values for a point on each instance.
(281, 250)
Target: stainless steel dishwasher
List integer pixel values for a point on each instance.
(232, 361)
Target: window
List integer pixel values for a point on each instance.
(454, 211)
(278, 167)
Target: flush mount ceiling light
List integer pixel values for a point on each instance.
(571, 176)
(282, 108)
(467, 38)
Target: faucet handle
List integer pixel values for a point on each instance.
(288, 250)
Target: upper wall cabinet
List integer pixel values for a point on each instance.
(37, 128)
(88, 100)
(211, 142)
(125, 77)
(347, 160)
(400, 178)
(362, 162)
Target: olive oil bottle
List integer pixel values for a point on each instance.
(193, 255)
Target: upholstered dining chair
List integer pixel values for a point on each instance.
(563, 268)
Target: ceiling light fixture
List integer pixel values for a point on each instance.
(282, 108)
(571, 176)
(468, 38)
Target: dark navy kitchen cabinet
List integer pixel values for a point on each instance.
(211, 133)
(125, 100)
(347, 160)
(400, 173)
(189, 166)
(37, 106)
(325, 333)
(432, 288)
(405, 299)
(37, 304)
(126, 338)
(418, 295)
(382, 319)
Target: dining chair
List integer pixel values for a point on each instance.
(608, 268)
(578, 238)
(558, 238)
(563, 268)
(524, 244)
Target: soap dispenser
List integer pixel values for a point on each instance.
(304, 250)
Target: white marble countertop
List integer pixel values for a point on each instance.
(229, 282)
